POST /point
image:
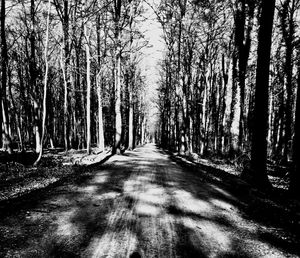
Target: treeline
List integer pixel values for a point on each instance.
(78, 59)
(219, 91)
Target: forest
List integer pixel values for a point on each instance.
(228, 83)
(149, 128)
(71, 78)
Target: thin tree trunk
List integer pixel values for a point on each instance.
(288, 31)
(63, 11)
(88, 94)
(131, 86)
(45, 86)
(101, 143)
(295, 173)
(6, 126)
(118, 119)
(117, 79)
(17, 117)
(3, 79)
(131, 139)
(143, 131)
(101, 140)
(66, 72)
(204, 119)
(223, 100)
(65, 122)
(33, 79)
(233, 105)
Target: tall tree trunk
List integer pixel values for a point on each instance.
(288, 115)
(63, 11)
(88, 93)
(295, 173)
(118, 118)
(143, 131)
(23, 120)
(6, 126)
(182, 95)
(3, 65)
(131, 86)
(3, 101)
(243, 38)
(101, 143)
(45, 87)
(117, 79)
(17, 116)
(288, 30)
(225, 66)
(258, 171)
(232, 136)
(204, 118)
(66, 71)
(33, 80)
(65, 121)
(130, 130)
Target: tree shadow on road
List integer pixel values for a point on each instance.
(276, 226)
(144, 204)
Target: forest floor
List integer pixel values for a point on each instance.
(18, 177)
(148, 203)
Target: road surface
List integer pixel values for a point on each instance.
(141, 204)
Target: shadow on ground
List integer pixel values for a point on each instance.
(143, 204)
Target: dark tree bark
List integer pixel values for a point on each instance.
(3, 64)
(244, 43)
(258, 170)
(295, 173)
(288, 30)
(33, 79)
(66, 71)
(63, 12)
(3, 102)
(225, 65)
(117, 74)
(16, 114)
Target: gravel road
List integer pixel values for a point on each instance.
(140, 204)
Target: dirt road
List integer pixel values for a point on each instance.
(141, 204)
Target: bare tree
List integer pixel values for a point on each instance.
(295, 174)
(45, 85)
(88, 91)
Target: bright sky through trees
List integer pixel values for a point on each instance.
(153, 32)
(152, 55)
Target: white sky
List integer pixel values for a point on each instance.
(152, 55)
(153, 31)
